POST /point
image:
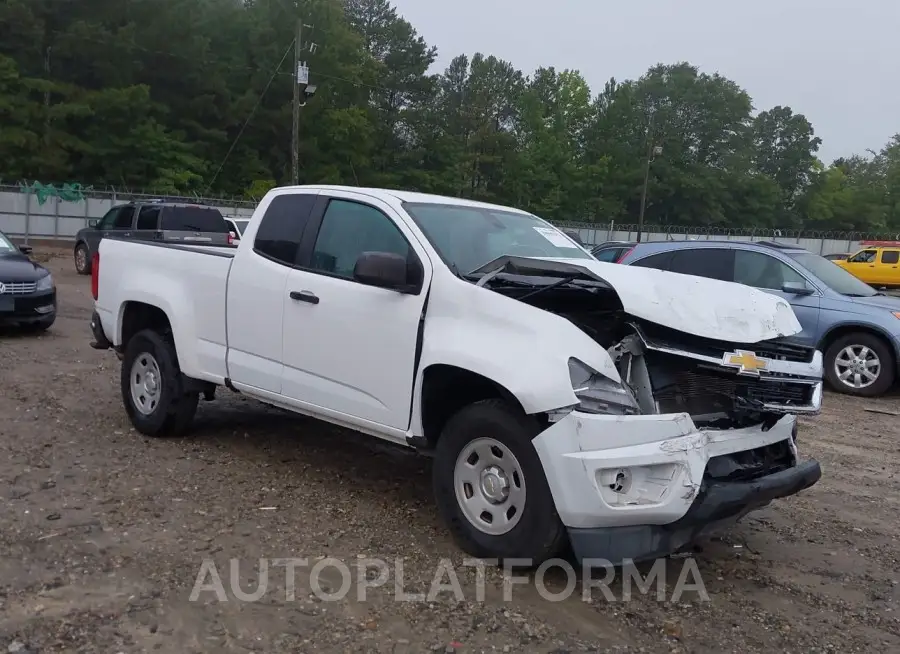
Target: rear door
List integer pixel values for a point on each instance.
(887, 270)
(147, 226)
(193, 224)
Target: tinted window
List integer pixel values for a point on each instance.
(193, 219)
(866, 256)
(890, 256)
(241, 225)
(279, 233)
(660, 261)
(349, 229)
(610, 254)
(124, 218)
(109, 219)
(762, 271)
(704, 262)
(148, 218)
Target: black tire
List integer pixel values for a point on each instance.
(887, 372)
(175, 409)
(85, 257)
(539, 535)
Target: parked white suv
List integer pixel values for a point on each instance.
(625, 410)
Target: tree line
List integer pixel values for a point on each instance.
(195, 97)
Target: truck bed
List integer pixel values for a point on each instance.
(192, 278)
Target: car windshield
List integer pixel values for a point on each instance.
(193, 219)
(5, 244)
(469, 237)
(833, 276)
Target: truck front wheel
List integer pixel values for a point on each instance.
(151, 386)
(490, 486)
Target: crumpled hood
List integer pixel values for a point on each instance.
(703, 307)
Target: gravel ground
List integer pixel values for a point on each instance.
(103, 534)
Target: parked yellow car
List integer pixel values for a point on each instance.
(875, 265)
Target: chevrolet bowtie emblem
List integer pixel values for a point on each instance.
(747, 363)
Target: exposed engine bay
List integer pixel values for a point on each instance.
(719, 384)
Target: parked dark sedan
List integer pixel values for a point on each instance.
(27, 291)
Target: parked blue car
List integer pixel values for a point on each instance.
(856, 327)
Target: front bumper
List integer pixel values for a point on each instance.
(30, 308)
(637, 488)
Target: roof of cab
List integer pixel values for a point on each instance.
(405, 196)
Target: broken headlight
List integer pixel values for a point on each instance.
(597, 393)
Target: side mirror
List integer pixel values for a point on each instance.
(93, 224)
(796, 288)
(389, 270)
(26, 249)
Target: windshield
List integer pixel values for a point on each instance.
(6, 245)
(833, 276)
(469, 237)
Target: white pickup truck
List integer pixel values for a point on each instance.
(624, 411)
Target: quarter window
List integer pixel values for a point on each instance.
(281, 228)
(349, 229)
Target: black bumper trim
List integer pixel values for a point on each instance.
(718, 504)
(100, 341)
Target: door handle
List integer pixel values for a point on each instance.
(127, 234)
(304, 296)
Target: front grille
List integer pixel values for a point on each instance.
(773, 349)
(750, 464)
(702, 391)
(17, 288)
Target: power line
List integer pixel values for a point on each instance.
(252, 112)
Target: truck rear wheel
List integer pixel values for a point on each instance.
(490, 486)
(151, 386)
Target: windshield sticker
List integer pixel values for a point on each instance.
(554, 237)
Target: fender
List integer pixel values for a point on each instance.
(867, 327)
(494, 331)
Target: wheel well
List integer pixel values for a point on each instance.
(447, 389)
(844, 330)
(78, 244)
(139, 315)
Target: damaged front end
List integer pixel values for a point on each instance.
(697, 433)
(720, 385)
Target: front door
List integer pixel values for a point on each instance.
(349, 347)
(862, 265)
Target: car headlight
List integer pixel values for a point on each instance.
(45, 284)
(597, 393)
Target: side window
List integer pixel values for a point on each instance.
(109, 219)
(704, 262)
(866, 256)
(124, 218)
(609, 255)
(148, 218)
(659, 261)
(762, 271)
(890, 256)
(349, 229)
(281, 228)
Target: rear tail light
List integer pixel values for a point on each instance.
(230, 238)
(95, 275)
(625, 256)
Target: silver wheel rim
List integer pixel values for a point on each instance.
(857, 366)
(146, 383)
(80, 259)
(490, 486)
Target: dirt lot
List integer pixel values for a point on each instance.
(103, 533)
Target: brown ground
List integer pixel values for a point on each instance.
(103, 532)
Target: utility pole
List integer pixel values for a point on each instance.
(295, 131)
(650, 152)
(47, 97)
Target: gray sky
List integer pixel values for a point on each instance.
(835, 61)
